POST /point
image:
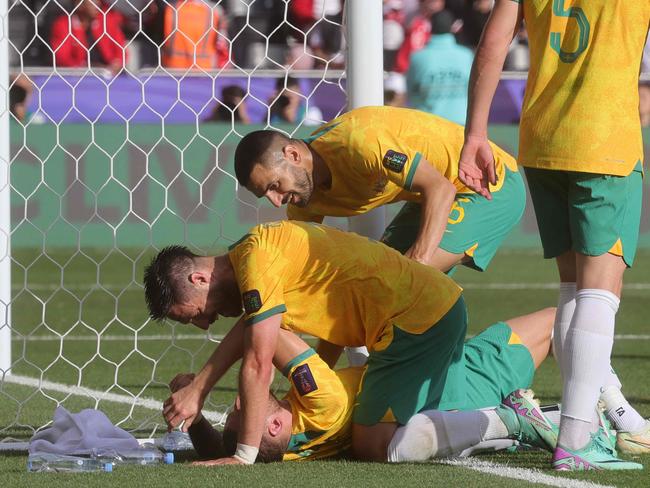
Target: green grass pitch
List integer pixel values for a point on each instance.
(138, 358)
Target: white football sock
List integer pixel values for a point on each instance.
(435, 433)
(566, 305)
(620, 412)
(585, 361)
(622, 415)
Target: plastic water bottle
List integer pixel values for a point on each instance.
(175, 441)
(60, 463)
(142, 456)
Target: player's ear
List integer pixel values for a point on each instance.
(292, 154)
(274, 425)
(199, 278)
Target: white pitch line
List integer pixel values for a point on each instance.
(530, 475)
(148, 403)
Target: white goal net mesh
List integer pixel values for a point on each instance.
(124, 117)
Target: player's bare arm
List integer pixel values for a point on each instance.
(476, 166)
(437, 198)
(186, 403)
(206, 439)
(260, 342)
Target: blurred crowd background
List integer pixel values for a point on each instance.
(428, 46)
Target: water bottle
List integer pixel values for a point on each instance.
(60, 463)
(175, 441)
(142, 456)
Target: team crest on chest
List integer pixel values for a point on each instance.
(252, 301)
(303, 380)
(394, 161)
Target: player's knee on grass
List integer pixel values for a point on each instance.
(370, 443)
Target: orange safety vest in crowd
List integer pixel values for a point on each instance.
(190, 30)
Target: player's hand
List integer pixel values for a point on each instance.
(184, 405)
(181, 380)
(218, 462)
(476, 166)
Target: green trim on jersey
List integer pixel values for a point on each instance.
(296, 441)
(411, 173)
(265, 315)
(297, 360)
(320, 132)
(239, 241)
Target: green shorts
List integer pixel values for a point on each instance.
(495, 364)
(475, 227)
(478, 374)
(403, 378)
(591, 214)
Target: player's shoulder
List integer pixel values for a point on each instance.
(263, 233)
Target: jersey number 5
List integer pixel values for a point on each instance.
(579, 16)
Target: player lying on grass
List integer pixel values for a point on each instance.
(314, 419)
(373, 156)
(336, 286)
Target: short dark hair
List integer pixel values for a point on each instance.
(164, 279)
(250, 151)
(270, 452)
(442, 22)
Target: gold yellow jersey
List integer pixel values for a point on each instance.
(581, 107)
(372, 154)
(335, 285)
(321, 401)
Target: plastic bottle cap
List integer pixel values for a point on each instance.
(108, 467)
(169, 458)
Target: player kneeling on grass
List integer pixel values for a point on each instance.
(339, 287)
(314, 419)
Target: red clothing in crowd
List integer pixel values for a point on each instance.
(417, 36)
(70, 43)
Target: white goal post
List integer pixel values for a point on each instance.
(5, 194)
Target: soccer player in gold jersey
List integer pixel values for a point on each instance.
(349, 291)
(373, 156)
(314, 419)
(580, 143)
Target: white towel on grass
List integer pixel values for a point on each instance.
(79, 433)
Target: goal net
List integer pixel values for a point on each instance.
(123, 119)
